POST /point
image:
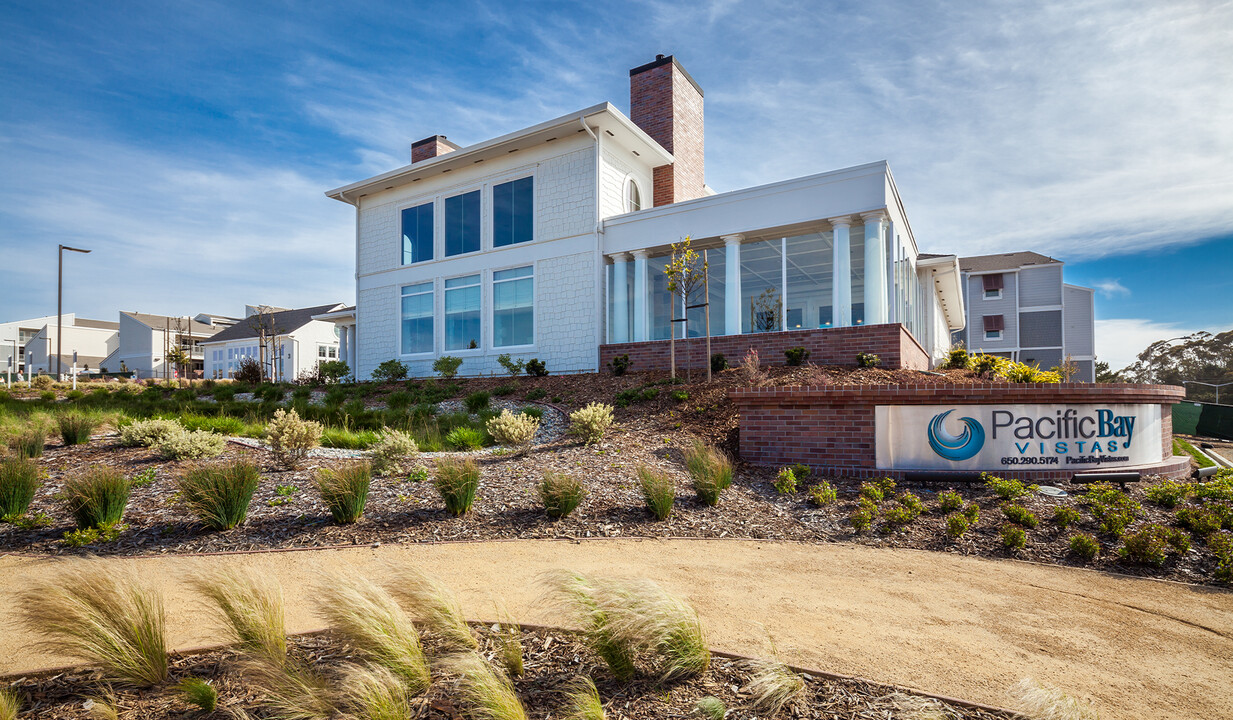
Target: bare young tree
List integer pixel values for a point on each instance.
(686, 273)
(264, 325)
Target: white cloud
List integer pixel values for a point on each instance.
(1119, 342)
(1109, 288)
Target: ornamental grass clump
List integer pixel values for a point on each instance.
(582, 701)
(249, 608)
(390, 450)
(29, 442)
(508, 639)
(465, 438)
(591, 423)
(516, 431)
(291, 438)
(773, 685)
(710, 708)
(289, 690)
(219, 495)
(19, 479)
(371, 620)
(710, 469)
(96, 496)
(433, 605)
(75, 428)
(148, 433)
(624, 619)
(658, 491)
(485, 693)
(10, 705)
(560, 493)
(1038, 702)
(102, 615)
(457, 482)
(201, 693)
(345, 490)
(372, 692)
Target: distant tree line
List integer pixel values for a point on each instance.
(1202, 357)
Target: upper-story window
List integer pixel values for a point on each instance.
(513, 307)
(994, 326)
(633, 196)
(417, 314)
(462, 313)
(513, 212)
(993, 286)
(417, 234)
(462, 223)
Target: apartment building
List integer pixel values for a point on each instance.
(286, 342)
(1018, 306)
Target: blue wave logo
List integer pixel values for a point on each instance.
(955, 447)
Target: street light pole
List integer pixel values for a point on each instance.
(60, 308)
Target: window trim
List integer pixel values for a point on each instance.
(492, 310)
(488, 230)
(483, 276)
(432, 291)
(997, 294)
(996, 335)
(437, 220)
(485, 218)
(626, 195)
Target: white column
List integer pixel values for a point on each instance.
(875, 268)
(343, 344)
(640, 293)
(841, 283)
(619, 292)
(352, 351)
(732, 284)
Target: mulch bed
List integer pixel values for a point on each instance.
(552, 660)
(651, 433)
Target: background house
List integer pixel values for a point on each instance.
(92, 340)
(1019, 307)
(146, 339)
(14, 336)
(293, 343)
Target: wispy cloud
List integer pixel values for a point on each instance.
(1111, 288)
(1119, 342)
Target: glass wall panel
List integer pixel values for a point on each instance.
(762, 286)
(513, 307)
(659, 300)
(512, 212)
(417, 234)
(697, 317)
(856, 238)
(462, 313)
(614, 293)
(417, 318)
(462, 223)
(810, 273)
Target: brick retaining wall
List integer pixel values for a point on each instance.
(831, 428)
(829, 346)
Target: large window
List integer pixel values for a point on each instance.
(513, 213)
(762, 286)
(462, 223)
(417, 318)
(513, 307)
(811, 259)
(462, 313)
(417, 234)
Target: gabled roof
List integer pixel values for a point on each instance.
(162, 322)
(604, 117)
(282, 323)
(100, 324)
(1004, 261)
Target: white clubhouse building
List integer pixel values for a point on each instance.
(551, 242)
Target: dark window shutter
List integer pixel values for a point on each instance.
(992, 282)
(994, 323)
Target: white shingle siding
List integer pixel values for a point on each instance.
(615, 173)
(565, 195)
(566, 308)
(380, 243)
(377, 322)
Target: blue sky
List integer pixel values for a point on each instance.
(189, 144)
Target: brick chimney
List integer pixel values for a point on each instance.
(667, 104)
(430, 147)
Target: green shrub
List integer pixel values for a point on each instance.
(861, 518)
(41, 382)
(619, 365)
(148, 433)
(785, 481)
(1168, 493)
(345, 490)
(536, 394)
(19, 479)
(185, 445)
(1150, 544)
(680, 395)
(47, 396)
(796, 355)
(956, 526)
(513, 367)
(1006, 489)
(867, 360)
(1201, 521)
(1084, 546)
(291, 438)
(389, 371)
(219, 495)
(446, 366)
(1019, 515)
(648, 394)
(1219, 488)
(504, 390)
(223, 425)
(560, 493)
(591, 423)
(536, 368)
(956, 359)
(465, 438)
(333, 370)
(710, 470)
(871, 491)
(535, 412)
(95, 496)
(822, 494)
(719, 363)
(1221, 546)
(390, 450)
(949, 501)
(104, 533)
(515, 431)
(1112, 507)
(476, 401)
(29, 442)
(457, 482)
(899, 516)
(658, 490)
(912, 502)
(75, 427)
(1013, 537)
(1065, 517)
(399, 400)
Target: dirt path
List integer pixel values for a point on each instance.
(947, 624)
